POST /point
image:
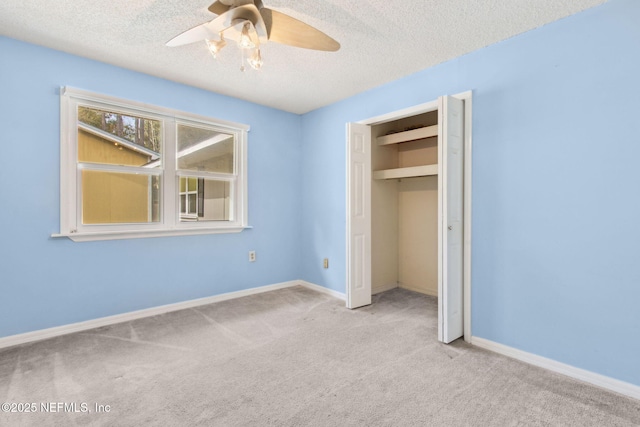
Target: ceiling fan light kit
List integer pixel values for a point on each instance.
(256, 60)
(215, 46)
(248, 42)
(245, 39)
(249, 23)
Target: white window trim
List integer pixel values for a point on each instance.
(170, 224)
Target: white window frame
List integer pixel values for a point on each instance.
(170, 225)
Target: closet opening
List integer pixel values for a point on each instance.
(404, 205)
(408, 197)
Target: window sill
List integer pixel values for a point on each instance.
(141, 234)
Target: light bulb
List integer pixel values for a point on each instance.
(245, 41)
(256, 60)
(215, 46)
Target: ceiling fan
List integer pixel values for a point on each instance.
(249, 23)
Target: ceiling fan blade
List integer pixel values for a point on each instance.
(284, 29)
(208, 30)
(218, 8)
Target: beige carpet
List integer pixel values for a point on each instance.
(293, 357)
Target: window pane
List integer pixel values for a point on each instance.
(209, 202)
(205, 150)
(183, 203)
(117, 139)
(116, 198)
(192, 203)
(193, 184)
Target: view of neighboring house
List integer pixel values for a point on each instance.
(120, 197)
(114, 197)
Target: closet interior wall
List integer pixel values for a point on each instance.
(404, 238)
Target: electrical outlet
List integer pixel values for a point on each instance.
(252, 256)
(326, 263)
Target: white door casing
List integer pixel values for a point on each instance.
(450, 218)
(359, 215)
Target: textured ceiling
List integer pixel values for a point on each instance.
(382, 40)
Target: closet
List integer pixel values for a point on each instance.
(404, 204)
(405, 207)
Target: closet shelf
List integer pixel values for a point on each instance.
(409, 135)
(409, 172)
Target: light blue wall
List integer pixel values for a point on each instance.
(48, 282)
(556, 268)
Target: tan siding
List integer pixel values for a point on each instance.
(216, 200)
(110, 198)
(93, 149)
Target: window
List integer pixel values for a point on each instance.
(133, 170)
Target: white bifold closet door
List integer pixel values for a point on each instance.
(359, 215)
(450, 218)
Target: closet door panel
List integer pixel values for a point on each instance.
(359, 211)
(451, 213)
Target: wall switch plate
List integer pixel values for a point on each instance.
(252, 256)
(326, 263)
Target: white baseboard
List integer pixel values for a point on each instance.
(605, 382)
(383, 288)
(133, 315)
(323, 290)
(433, 293)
